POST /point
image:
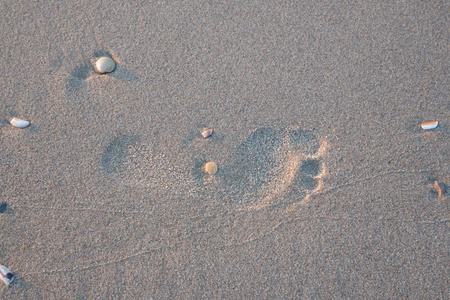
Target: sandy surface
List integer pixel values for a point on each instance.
(325, 181)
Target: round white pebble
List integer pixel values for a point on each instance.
(105, 65)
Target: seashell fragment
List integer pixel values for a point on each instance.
(429, 125)
(19, 123)
(211, 168)
(6, 275)
(105, 65)
(207, 132)
(440, 187)
(3, 207)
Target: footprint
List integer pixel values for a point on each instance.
(257, 158)
(274, 167)
(136, 161)
(304, 141)
(308, 176)
(117, 153)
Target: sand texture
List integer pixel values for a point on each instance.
(325, 182)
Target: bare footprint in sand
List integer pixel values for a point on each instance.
(271, 171)
(272, 167)
(275, 167)
(136, 161)
(117, 153)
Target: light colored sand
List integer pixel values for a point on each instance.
(325, 187)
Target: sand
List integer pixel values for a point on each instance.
(325, 181)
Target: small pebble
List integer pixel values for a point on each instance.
(207, 132)
(3, 207)
(6, 275)
(440, 187)
(19, 123)
(211, 168)
(429, 125)
(105, 65)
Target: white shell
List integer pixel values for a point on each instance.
(19, 123)
(6, 275)
(207, 132)
(429, 125)
(105, 65)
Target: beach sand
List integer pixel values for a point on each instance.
(325, 178)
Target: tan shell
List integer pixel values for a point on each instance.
(211, 168)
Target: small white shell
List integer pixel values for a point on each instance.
(6, 275)
(105, 65)
(429, 125)
(207, 132)
(19, 123)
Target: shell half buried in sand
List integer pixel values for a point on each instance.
(210, 168)
(6, 275)
(19, 123)
(429, 125)
(105, 65)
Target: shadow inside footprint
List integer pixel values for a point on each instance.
(256, 158)
(117, 152)
(272, 162)
(303, 184)
(311, 167)
(304, 140)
